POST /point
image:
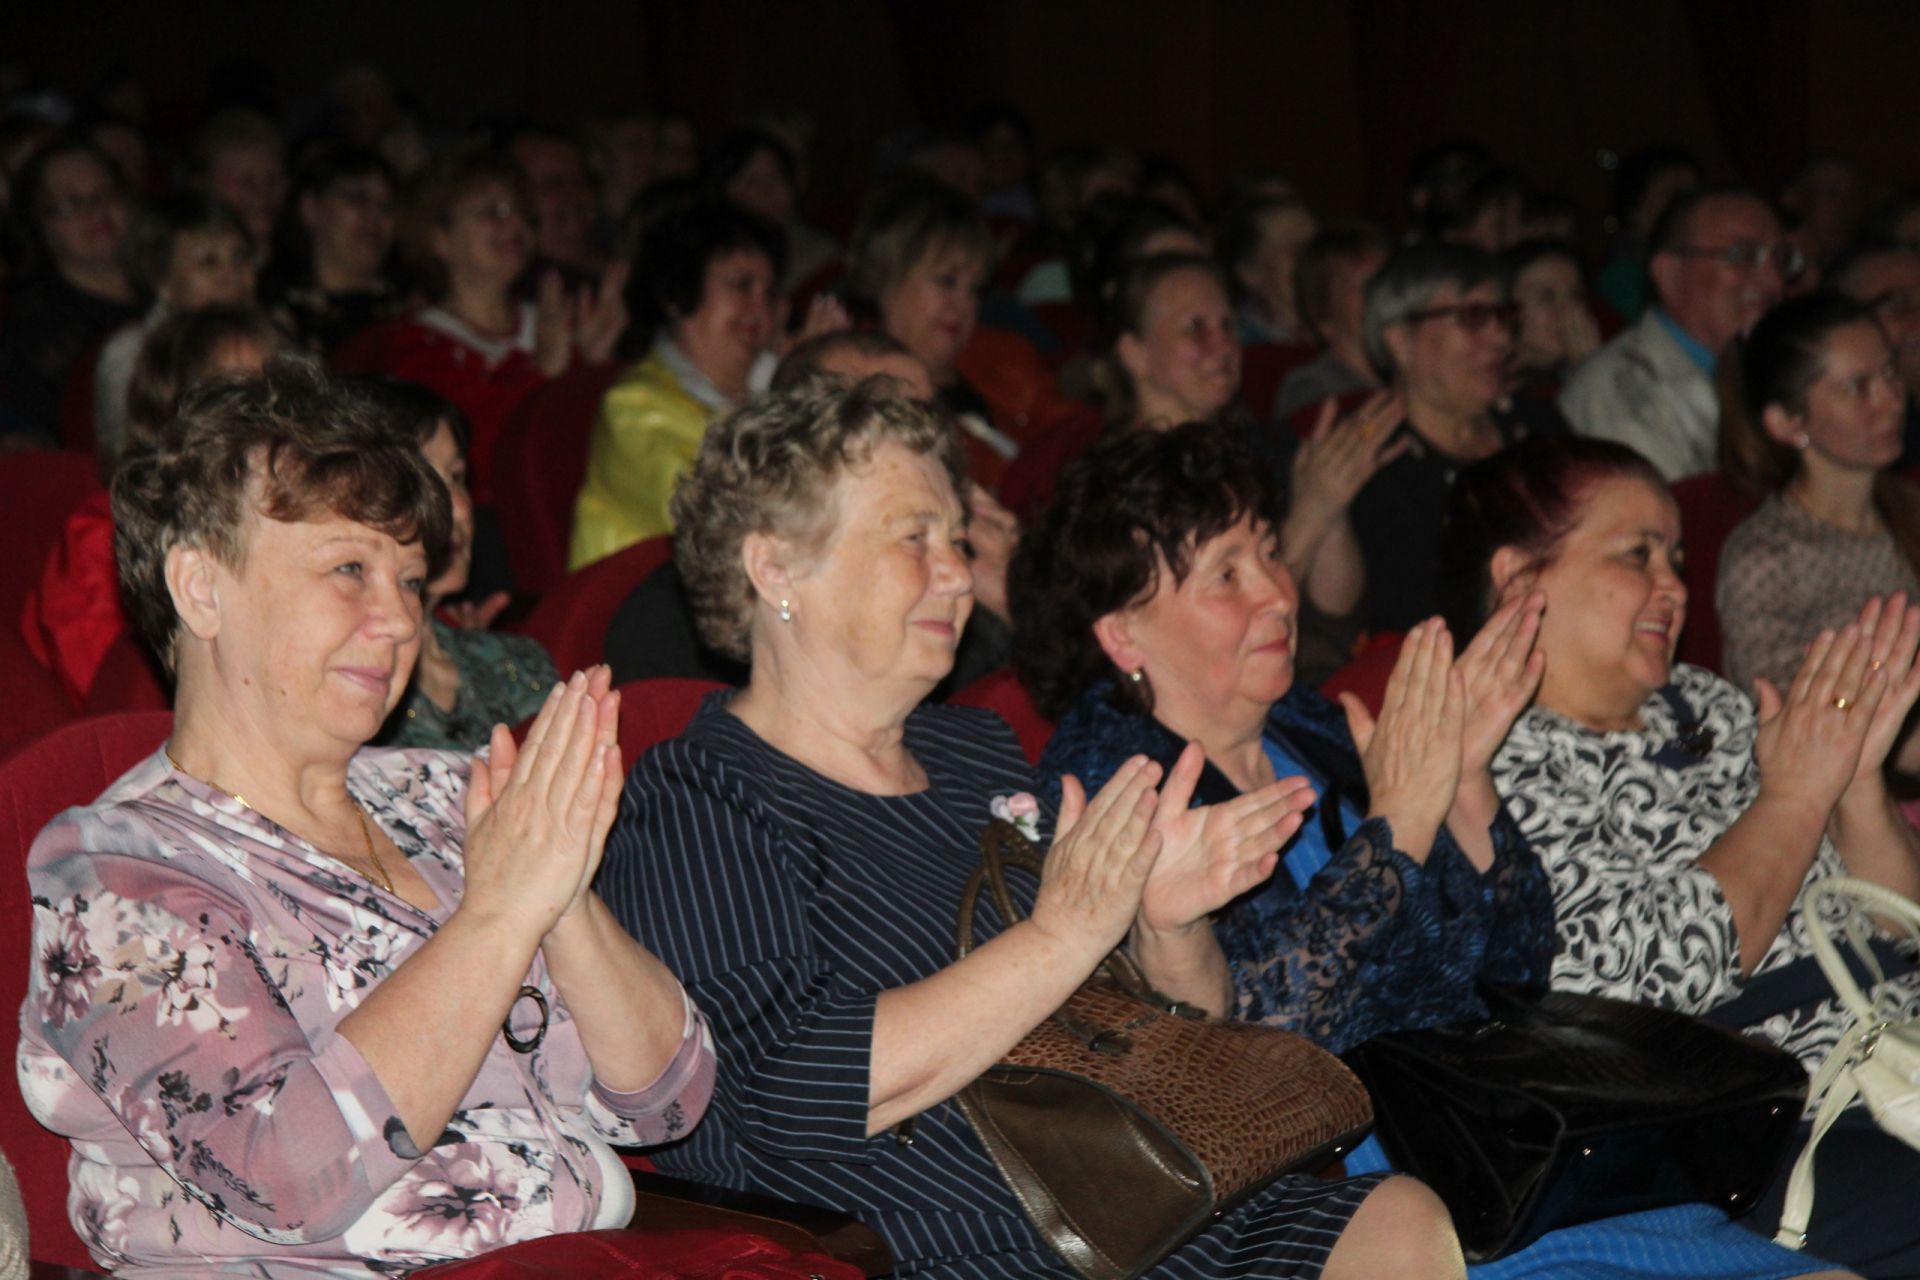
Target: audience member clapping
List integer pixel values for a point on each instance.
(1679, 824)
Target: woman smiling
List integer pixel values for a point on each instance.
(1679, 822)
(305, 1008)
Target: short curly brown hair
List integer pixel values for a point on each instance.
(288, 444)
(770, 468)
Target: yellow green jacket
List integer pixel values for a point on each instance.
(647, 433)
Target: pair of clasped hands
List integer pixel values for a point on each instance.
(538, 812)
(1136, 855)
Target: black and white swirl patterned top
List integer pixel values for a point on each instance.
(1620, 826)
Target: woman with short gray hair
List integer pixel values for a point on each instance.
(799, 853)
(1438, 329)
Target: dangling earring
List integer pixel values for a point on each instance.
(786, 611)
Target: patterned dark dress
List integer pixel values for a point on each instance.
(787, 903)
(503, 680)
(1378, 942)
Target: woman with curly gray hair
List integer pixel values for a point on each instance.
(799, 854)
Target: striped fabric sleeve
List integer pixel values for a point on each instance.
(698, 871)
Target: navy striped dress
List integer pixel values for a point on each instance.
(786, 903)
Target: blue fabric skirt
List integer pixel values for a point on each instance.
(1686, 1242)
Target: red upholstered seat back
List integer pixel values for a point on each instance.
(572, 620)
(540, 463)
(128, 681)
(70, 766)
(1366, 676)
(1264, 366)
(36, 701)
(1711, 507)
(78, 403)
(1001, 691)
(651, 711)
(37, 492)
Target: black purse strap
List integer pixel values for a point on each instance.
(1800, 983)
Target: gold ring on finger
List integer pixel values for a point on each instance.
(1842, 702)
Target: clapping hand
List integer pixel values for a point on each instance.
(1891, 630)
(1811, 741)
(1212, 854)
(1411, 754)
(1335, 463)
(538, 815)
(1096, 869)
(1499, 674)
(600, 314)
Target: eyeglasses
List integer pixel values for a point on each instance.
(1751, 255)
(1470, 316)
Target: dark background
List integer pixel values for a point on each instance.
(1338, 95)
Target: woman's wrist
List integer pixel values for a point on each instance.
(1186, 964)
(1304, 530)
(512, 923)
(1475, 802)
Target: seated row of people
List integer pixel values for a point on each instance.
(796, 856)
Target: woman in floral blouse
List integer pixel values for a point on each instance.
(306, 1009)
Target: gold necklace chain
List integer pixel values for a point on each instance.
(384, 880)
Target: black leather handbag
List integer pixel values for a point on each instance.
(1564, 1108)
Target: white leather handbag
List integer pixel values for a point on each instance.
(1878, 1058)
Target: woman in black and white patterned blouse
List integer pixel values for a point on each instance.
(1679, 822)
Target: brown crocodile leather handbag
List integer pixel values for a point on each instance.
(1126, 1122)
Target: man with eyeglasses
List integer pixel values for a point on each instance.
(1887, 278)
(1717, 261)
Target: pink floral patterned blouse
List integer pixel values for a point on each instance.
(191, 962)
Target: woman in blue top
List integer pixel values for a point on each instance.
(1151, 609)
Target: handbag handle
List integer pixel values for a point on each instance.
(1002, 846)
(1858, 899)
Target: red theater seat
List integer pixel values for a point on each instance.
(70, 766)
(1366, 676)
(572, 620)
(651, 711)
(1264, 366)
(539, 465)
(1711, 507)
(38, 490)
(1001, 691)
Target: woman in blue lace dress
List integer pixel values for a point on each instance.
(1151, 609)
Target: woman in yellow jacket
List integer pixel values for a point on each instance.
(705, 290)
